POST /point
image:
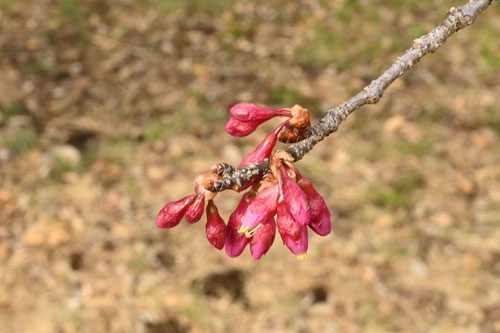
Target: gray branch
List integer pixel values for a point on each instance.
(458, 18)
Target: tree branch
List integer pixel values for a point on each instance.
(458, 18)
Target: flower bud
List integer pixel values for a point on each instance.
(264, 150)
(263, 239)
(235, 241)
(172, 213)
(195, 211)
(287, 226)
(250, 112)
(296, 200)
(320, 215)
(297, 246)
(215, 229)
(239, 128)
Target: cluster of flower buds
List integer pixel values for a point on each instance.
(282, 192)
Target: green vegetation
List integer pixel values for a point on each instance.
(397, 194)
(420, 149)
(119, 152)
(323, 48)
(19, 140)
(190, 7)
(15, 109)
(60, 166)
(286, 96)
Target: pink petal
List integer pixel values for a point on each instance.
(263, 239)
(322, 224)
(251, 112)
(239, 128)
(296, 200)
(298, 246)
(215, 229)
(264, 150)
(263, 207)
(287, 226)
(320, 215)
(236, 242)
(235, 218)
(195, 211)
(172, 213)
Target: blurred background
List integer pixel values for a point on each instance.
(108, 110)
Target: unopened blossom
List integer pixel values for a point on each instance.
(191, 206)
(235, 241)
(320, 215)
(215, 229)
(239, 128)
(295, 198)
(195, 210)
(287, 226)
(297, 246)
(264, 150)
(263, 239)
(251, 112)
(173, 212)
(293, 234)
(246, 117)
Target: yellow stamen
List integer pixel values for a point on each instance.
(243, 229)
(302, 256)
(251, 232)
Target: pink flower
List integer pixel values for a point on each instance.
(172, 213)
(250, 112)
(239, 128)
(286, 224)
(263, 207)
(215, 229)
(246, 117)
(297, 246)
(235, 241)
(294, 235)
(263, 239)
(264, 150)
(320, 215)
(195, 210)
(296, 200)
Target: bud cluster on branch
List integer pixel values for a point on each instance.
(276, 187)
(280, 191)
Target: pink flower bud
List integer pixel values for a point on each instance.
(263, 207)
(264, 150)
(296, 200)
(239, 128)
(172, 213)
(195, 211)
(287, 226)
(297, 246)
(215, 229)
(250, 112)
(235, 241)
(263, 239)
(320, 215)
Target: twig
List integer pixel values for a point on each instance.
(458, 18)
